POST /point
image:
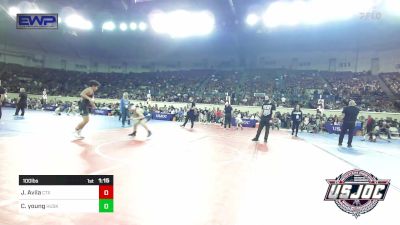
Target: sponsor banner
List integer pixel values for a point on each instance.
(103, 112)
(50, 107)
(37, 21)
(246, 122)
(337, 128)
(162, 116)
(11, 105)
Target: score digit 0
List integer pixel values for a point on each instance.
(106, 192)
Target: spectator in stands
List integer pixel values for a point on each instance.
(336, 120)
(385, 129)
(370, 124)
(305, 124)
(313, 124)
(276, 122)
(72, 108)
(295, 87)
(219, 117)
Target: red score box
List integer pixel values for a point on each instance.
(106, 192)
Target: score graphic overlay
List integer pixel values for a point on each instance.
(66, 193)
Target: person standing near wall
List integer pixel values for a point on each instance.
(124, 108)
(190, 114)
(266, 114)
(228, 115)
(22, 102)
(297, 117)
(349, 115)
(44, 97)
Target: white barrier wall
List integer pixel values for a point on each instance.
(355, 61)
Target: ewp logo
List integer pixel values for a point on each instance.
(37, 21)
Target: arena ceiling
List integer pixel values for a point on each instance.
(231, 35)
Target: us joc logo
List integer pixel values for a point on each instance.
(356, 192)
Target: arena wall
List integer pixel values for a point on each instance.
(387, 60)
(355, 61)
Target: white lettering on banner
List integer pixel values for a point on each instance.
(336, 128)
(161, 116)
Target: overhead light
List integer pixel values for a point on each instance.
(285, 13)
(13, 11)
(78, 22)
(393, 7)
(142, 26)
(123, 26)
(203, 23)
(109, 26)
(182, 23)
(159, 22)
(252, 19)
(133, 26)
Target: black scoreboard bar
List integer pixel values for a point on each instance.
(66, 179)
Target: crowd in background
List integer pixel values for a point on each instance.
(286, 88)
(313, 123)
(392, 80)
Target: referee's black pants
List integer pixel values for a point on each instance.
(228, 120)
(347, 127)
(295, 126)
(187, 118)
(20, 107)
(369, 132)
(263, 123)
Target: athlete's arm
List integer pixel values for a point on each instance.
(272, 110)
(342, 115)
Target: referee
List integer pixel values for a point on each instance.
(349, 115)
(266, 114)
(228, 115)
(190, 115)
